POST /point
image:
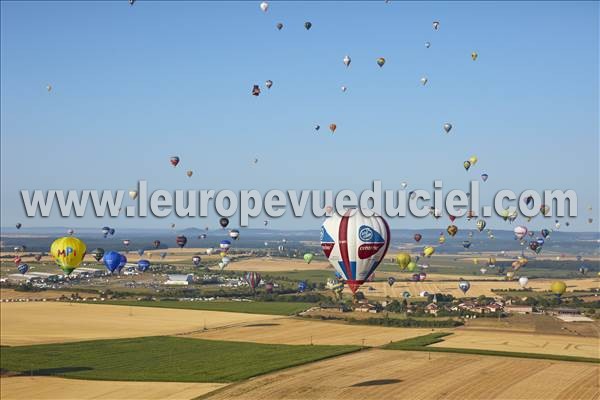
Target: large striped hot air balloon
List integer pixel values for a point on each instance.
(355, 245)
(253, 279)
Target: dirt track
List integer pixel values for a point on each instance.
(389, 374)
(50, 388)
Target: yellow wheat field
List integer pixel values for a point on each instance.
(266, 264)
(382, 289)
(50, 388)
(297, 331)
(54, 322)
(523, 343)
(389, 374)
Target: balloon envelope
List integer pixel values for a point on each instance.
(355, 244)
(68, 252)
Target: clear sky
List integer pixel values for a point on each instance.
(134, 85)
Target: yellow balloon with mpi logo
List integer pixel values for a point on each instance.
(68, 252)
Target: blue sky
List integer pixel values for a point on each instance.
(134, 85)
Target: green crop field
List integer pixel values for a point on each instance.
(161, 358)
(250, 307)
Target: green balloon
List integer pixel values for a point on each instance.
(411, 266)
(308, 257)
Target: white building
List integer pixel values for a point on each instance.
(179, 279)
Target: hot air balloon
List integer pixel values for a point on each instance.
(484, 177)
(255, 90)
(466, 244)
(344, 88)
(181, 241)
(411, 267)
(520, 232)
(347, 60)
(174, 161)
(196, 260)
(544, 209)
(225, 244)
(209, 251)
(473, 160)
(418, 237)
(111, 231)
(422, 276)
(265, 222)
(143, 265)
(464, 286)
(540, 241)
(415, 278)
(17, 260)
(37, 257)
(68, 252)
(98, 253)
(189, 173)
(380, 61)
(302, 285)
(436, 25)
(447, 127)
(427, 45)
(269, 83)
(48, 88)
(156, 244)
(307, 25)
(133, 194)
(428, 251)
(452, 229)
(308, 257)
(140, 252)
(391, 281)
(442, 239)
(332, 128)
(70, 232)
(202, 236)
(269, 287)
(474, 55)
(403, 259)
(483, 270)
(424, 80)
(163, 255)
(19, 225)
(467, 165)
(317, 127)
(122, 263)
(480, 225)
(126, 242)
(223, 222)
(533, 245)
(523, 281)
(234, 234)
(279, 26)
(253, 279)
(558, 288)
(355, 245)
(264, 6)
(23, 268)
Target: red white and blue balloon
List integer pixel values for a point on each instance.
(355, 245)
